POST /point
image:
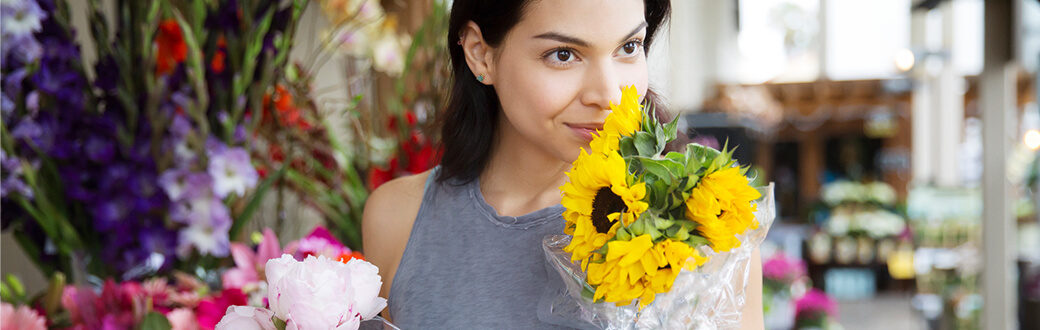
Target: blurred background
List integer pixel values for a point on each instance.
(902, 136)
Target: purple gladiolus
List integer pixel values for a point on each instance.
(232, 172)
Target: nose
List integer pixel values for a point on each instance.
(602, 86)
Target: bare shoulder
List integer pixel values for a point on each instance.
(387, 222)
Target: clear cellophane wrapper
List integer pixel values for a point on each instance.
(710, 297)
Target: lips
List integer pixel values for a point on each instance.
(584, 131)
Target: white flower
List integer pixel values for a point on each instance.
(388, 53)
(366, 282)
(320, 293)
(246, 318)
(21, 18)
(232, 172)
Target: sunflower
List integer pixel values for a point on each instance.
(620, 278)
(721, 206)
(596, 196)
(640, 269)
(623, 120)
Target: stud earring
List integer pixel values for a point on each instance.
(480, 78)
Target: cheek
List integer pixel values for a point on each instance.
(533, 92)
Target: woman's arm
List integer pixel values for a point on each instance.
(387, 223)
(752, 317)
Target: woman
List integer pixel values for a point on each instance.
(460, 246)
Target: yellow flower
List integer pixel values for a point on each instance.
(640, 269)
(620, 278)
(624, 120)
(596, 196)
(721, 206)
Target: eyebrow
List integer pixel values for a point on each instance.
(582, 43)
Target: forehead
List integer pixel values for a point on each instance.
(592, 20)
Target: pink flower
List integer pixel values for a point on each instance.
(211, 310)
(182, 319)
(249, 265)
(322, 293)
(815, 305)
(120, 306)
(319, 242)
(782, 269)
(21, 318)
(247, 318)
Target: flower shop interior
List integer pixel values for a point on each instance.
(901, 138)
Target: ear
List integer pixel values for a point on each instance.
(478, 53)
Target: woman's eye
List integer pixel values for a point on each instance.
(631, 47)
(563, 55)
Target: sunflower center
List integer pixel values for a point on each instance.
(605, 203)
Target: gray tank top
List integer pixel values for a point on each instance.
(466, 267)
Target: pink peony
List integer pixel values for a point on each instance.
(321, 293)
(247, 318)
(21, 318)
(182, 319)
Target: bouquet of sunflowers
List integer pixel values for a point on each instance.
(653, 238)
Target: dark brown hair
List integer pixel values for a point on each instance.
(469, 119)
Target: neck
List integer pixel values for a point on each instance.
(520, 177)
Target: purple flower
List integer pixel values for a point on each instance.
(110, 212)
(182, 184)
(207, 233)
(232, 172)
(27, 130)
(22, 49)
(99, 149)
(11, 173)
(20, 18)
(7, 107)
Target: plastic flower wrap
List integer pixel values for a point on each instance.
(653, 239)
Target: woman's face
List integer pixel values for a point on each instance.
(559, 68)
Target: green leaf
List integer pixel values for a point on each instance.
(657, 168)
(625, 234)
(16, 285)
(6, 294)
(645, 144)
(627, 146)
(279, 324)
(155, 321)
(662, 223)
(254, 203)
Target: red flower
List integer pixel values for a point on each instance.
(377, 175)
(346, 256)
(288, 114)
(217, 64)
(170, 47)
(211, 310)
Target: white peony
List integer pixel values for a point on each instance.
(321, 293)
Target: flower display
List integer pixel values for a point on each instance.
(638, 216)
(151, 151)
